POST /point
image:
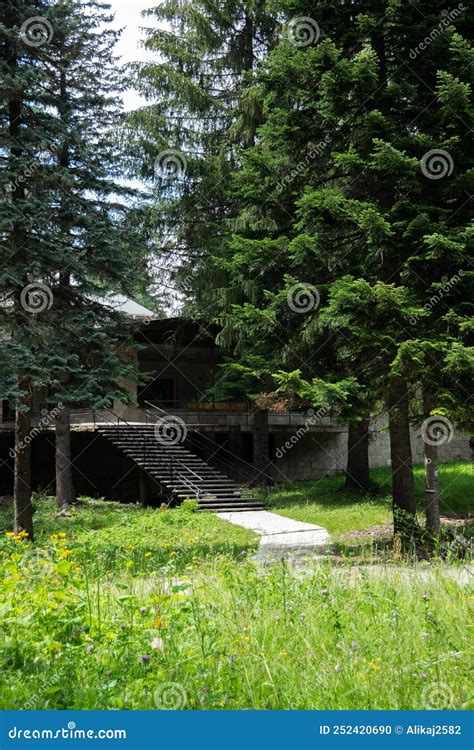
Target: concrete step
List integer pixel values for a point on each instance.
(207, 482)
(163, 462)
(226, 500)
(230, 508)
(160, 456)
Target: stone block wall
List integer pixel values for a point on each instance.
(312, 455)
(318, 454)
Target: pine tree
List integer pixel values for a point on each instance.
(340, 192)
(76, 244)
(185, 139)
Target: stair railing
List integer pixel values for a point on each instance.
(117, 419)
(156, 420)
(195, 490)
(245, 467)
(194, 483)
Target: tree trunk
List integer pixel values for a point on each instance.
(65, 494)
(23, 509)
(248, 64)
(261, 445)
(357, 472)
(403, 485)
(22, 506)
(431, 475)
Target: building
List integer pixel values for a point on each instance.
(176, 442)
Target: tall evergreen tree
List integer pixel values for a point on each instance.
(185, 138)
(341, 192)
(91, 218)
(23, 247)
(67, 215)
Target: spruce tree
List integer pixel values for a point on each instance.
(25, 32)
(76, 240)
(185, 139)
(358, 185)
(91, 219)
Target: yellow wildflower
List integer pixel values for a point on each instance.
(148, 554)
(65, 553)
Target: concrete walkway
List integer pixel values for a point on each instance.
(280, 536)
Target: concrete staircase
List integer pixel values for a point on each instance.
(179, 472)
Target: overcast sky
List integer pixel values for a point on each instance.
(128, 16)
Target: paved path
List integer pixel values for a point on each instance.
(280, 536)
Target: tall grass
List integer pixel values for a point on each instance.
(227, 636)
(326, 503)
(120, 607)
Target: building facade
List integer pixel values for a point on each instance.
(178, 362)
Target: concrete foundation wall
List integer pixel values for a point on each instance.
(101, 470)
(315, 455)
(456, 450)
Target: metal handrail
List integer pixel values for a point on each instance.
(187, 483)
(216, 445)
(209, 440)
(172, 460)
(187, 468)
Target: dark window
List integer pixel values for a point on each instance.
(8, 411)
(160, 392)
(272, 446)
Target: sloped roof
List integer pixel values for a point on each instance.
(128, 306)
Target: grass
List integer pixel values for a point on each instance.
(237, 637)
(117, 534)
(119, 607)
(325, 502)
